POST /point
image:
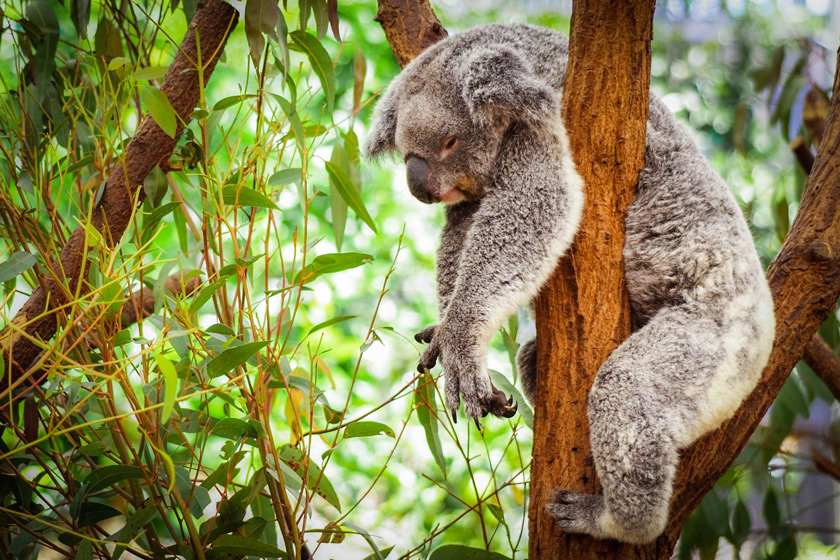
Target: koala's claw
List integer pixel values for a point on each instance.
(499, 405)
(425, 336)
(576, 513)
(429, 358)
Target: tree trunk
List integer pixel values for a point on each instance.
(583, 312)
(150, 146)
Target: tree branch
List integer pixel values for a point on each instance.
(805, 281)
(410, 27)
(825, 362)
(142, 304)
(150, 146)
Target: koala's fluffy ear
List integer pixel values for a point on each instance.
(498, 84)
(381, 138)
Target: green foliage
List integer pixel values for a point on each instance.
(275, 402)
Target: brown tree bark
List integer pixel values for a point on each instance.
(150, 146)
(583, 314)
(825, 362)
(410, 27)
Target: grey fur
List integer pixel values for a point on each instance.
(702, 310)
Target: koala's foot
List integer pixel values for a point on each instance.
(429, 358)
(578, 513)
(498, 404)
(425, 336)
(431, 354)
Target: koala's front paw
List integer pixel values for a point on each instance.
(577, 513)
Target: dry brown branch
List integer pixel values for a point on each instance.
(142, 304)
(150, 146)
(815, 113)
(803, 154)
(410, 26)
(825, 362)
(818, 355)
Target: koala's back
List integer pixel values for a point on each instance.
(687, 241)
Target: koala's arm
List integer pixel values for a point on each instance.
(458, 221)
(520, 229)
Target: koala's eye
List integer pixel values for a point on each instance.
(450, 144)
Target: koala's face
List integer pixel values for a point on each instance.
(448, 157)
(448, 112)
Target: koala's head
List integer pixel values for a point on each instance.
(448, 112)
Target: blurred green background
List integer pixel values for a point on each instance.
(738, 74)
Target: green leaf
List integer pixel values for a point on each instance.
(770, 511)
(341, 181)
(18, 263)
(80, 15)
(109, 475)
(153, 218)
(497, 512)
(285, 176)
(294, 121)
(424, 400)
(330, 263)
(223, 104)
(170, 378)
(133, 525)
(329, 323)
(118, 62)
(461, 552)
(204, 295)
(101, 478)
(160, 109)
(338, 205)
(367, 429)
(97, 447)
(233, 357)
(792, 395)
(85, 551)
(741, 524)
(243, 546)
(234, 428)
(244, 196)
(716, 512)
(380, 554)
(321, 63)
(306, 470)
(94, 512)
(261, 16)
(151, 73)
(786, 549)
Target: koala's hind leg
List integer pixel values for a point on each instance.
(676, 378)
(526, 363)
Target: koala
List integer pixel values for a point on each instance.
(477, 118)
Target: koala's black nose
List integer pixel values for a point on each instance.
(418, 179)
